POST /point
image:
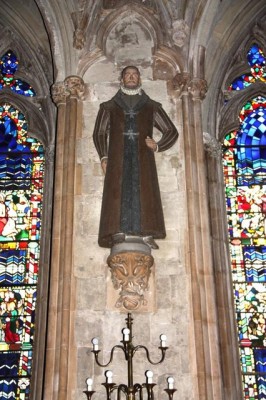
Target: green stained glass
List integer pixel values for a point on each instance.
(244, 163)
(21, 193)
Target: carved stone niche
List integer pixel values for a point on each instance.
(132, 277)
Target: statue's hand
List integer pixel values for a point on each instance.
(104, 165)
(151, 143)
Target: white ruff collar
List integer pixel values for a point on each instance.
(131, 92)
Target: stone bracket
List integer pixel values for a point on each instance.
(130, 273)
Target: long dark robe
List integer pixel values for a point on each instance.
(131, 198)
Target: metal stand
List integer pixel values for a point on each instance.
(130, 390)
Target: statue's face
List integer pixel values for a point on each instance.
(131, 78)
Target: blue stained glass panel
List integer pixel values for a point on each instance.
(8, 67)
(257, 63)
(21, 193)
(245, 189)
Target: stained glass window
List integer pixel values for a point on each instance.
(257, 63)
(8, 67)
(21, 191)
(244, 160)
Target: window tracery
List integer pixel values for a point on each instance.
(244, 164)
(21, 193)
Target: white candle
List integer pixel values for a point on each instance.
(163, 340)
(109, 376)
(95, 343)
(170, 381)
(126, 333)
(89, 382)
(149, 375)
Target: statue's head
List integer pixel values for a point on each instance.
(130, 77)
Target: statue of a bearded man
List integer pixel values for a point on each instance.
(123, 137)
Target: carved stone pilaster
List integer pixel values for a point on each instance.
(130, 273)
(75, 86)
(212, 146)
(197, 88)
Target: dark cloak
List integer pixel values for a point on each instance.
(143, 215)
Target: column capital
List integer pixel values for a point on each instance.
(75, 86)
(183, 83)
(59, 93)
(179, 84)
(197, 88)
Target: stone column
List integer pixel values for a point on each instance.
(230, 365)
(204, 337)
(60, 354)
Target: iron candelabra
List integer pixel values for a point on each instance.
(131, 391)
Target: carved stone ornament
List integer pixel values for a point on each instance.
(75, 86)
(59, 93)
(198, 88)
(180, 32)
(212, 146)
(78, 38)
(130, 272)
(180, 83)
(49, 154)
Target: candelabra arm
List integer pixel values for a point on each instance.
(163, 350)
(170, 393)
(149, 387)
(110, 387)
(96, 353)
(121, 389)
(138, 388)
(89, 393)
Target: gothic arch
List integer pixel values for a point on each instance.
(143, 16)
(229, 120)
(59, 37)
(34, 70)
(160, 49)
(227, 59)
(33, 65)
(239, 65)
(37, 126)
(38, 129)
(227, 117)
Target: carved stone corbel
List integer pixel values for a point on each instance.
(130, 274)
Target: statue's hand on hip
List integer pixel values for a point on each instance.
(104, 165)
(151, 143)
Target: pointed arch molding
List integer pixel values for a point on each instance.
(37, 124)
(230, 113)
(149, 22)
(33, 65)
(143, 16)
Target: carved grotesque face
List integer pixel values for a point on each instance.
(131, 78)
